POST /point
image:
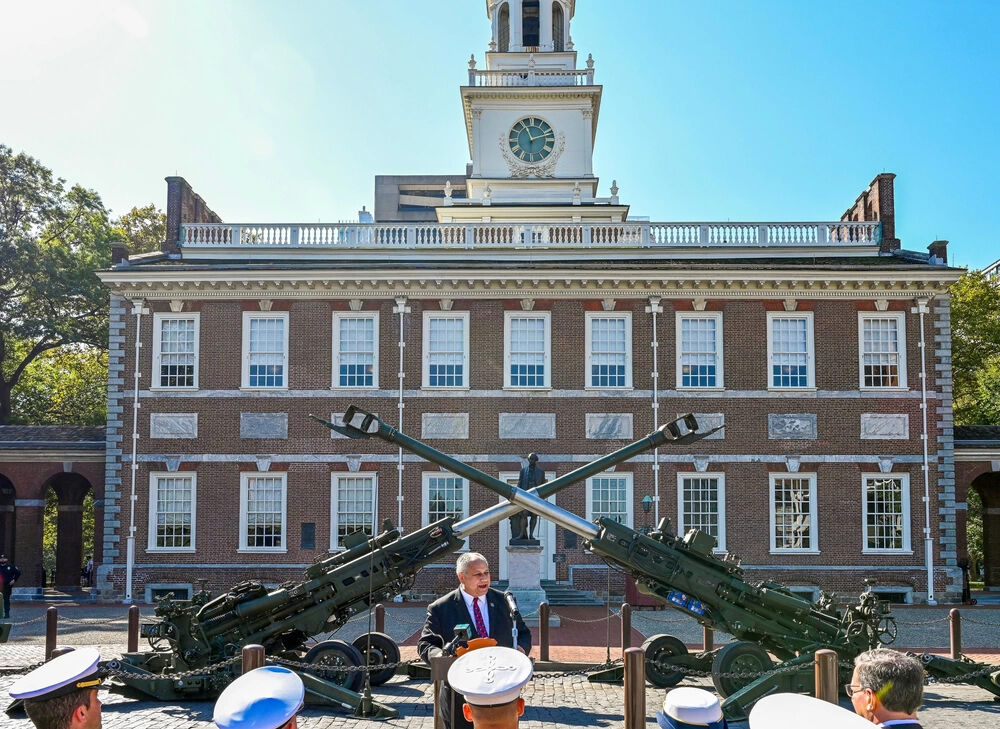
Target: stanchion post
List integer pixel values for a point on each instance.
(626, 626)
(133, 629)
(955, 624)
(51, 629)
(543, 631)
(253, 657)
(826, 675)
(635, 688)
(439, 674)
(707, 639)
(380, 618)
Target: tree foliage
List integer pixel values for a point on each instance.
(52, 240)
(143, 228)
(975, 349)
(65, 386)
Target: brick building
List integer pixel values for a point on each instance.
(511, 308)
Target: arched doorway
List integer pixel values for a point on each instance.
(987, 487)
(68, 529)
(6, 516)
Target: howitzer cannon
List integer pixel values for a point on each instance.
(765, 617)
(195, 636)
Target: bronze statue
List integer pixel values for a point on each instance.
(522, 525)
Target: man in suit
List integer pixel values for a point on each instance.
(483, 609)
(887, 688)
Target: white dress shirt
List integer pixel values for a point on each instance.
(483, 608)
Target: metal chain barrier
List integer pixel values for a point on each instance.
(987, 671)
(682, 619)
(611, 613)
(25, 622)
(945, 619)
(112, 668)
(967, 619)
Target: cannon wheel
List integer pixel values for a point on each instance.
(338, 653)
(659, 650)
(739, 657)
(383, 650)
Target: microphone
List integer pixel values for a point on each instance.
(511, 603)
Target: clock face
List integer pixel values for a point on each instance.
(531, 139)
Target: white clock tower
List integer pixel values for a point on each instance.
(531, 120)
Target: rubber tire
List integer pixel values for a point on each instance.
(338, 653)
(738, 657)
(383, 650)
(658, 648)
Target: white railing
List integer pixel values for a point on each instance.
(531, 77)
(530, 235)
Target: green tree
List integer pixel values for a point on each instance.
(52, 240)
(65, 386)
(975, 349)
(143, 228)
(974, 534)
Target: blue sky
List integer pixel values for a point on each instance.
(712, 110)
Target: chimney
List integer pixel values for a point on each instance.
(939, 253)
(184, 205)
(877, 203)
(119, 253)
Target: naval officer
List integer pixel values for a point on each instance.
(691, 708)
(264, 698)
(491, 680)
(62, 694)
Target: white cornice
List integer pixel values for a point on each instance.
(51, 455)
(541, 283)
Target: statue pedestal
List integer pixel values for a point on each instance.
(524, 581)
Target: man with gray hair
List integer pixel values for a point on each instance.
(478, 606)
(887, 688)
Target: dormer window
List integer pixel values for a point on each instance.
(558, 29)
(503, 29)
(530, 23)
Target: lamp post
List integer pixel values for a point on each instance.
(647, 506)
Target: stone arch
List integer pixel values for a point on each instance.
(988, 487)
(71, 490)
(7, 516)
(558, 27)
(503, 28)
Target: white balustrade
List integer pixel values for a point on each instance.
(528, 235)
(532, 77)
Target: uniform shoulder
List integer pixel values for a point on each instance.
(447, 597)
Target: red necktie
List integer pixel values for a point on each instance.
(477, 615)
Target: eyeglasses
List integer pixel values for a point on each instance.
(850, 689)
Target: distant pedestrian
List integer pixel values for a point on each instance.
(88, 572)
(8, 576)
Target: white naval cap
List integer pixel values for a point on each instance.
(781, 710)
(63, 674)
(264, 698)
(490, 676)
(688, 707)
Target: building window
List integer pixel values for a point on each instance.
(527, 354)
(352, 506)
(446, 350)
(503, 29)
(609, 351)
(355, 350)
(609, 496)
(529, 23)
(265, 350)
(558, 29)
(699, 351)
(793, 513)
(701, 504)
(171, 511)
(882, 342)
(175, 350)
(886, 502)
(262, 512)
(790, 351)
(445, 496)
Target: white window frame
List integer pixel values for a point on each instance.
(247, 316)
(464, 317)
(546, 318)
(720, 383)
(900, 319)
(244, 499)
(335, 479)
(154, 478)
(629, 494)
(158, 318)
(907, 547)
(590, 316)
(813, 514)
(425, 484)
(810, 350)
(338, 317)
(681, 526)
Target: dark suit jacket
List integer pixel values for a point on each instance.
(439, 628)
